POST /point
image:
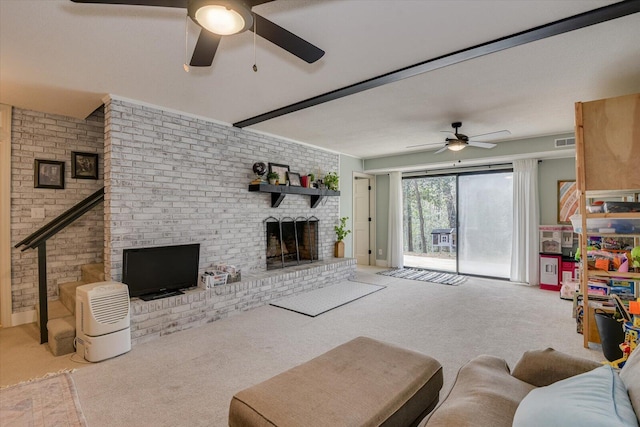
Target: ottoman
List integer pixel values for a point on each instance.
(363, 382)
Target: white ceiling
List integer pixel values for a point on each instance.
(61, 57)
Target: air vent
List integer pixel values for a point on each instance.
(565, 142)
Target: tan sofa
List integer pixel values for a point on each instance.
(486, 393)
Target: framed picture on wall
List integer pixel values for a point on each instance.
(294, 178)
(567, 201)
(281, 170)
(84, 165)
(48, 174)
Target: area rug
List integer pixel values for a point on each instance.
(425, 275)
(48, 401)
(318, 301)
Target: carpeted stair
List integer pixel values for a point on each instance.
(62, 322)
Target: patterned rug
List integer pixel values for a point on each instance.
(425, 276)
(48, 401)
(318, 301)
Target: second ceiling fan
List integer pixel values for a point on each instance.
(461, 140)
(219, 18)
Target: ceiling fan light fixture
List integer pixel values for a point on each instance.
(456, 145)
(222, 17)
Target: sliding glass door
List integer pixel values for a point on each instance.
(485, 203)
(459, 223)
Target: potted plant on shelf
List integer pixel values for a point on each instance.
(331, 181)
(312, 180)
(341, 233)
(273, 177)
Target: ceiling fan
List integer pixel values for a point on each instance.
(220, 18)
(461, 140)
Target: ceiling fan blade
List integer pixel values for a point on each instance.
(205, 49)
(481, 144)
(252, 3)
(424, 145)
(441, 150)
(495, 134)
(287, 40)
(161, 3)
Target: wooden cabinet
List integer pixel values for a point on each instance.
(608, 143)
(607, 153)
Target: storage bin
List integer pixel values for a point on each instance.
(213, 278)
(622, 207)
(607, 225)
(611, 335)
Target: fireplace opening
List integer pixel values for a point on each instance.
(291, 241)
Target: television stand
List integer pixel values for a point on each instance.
(161, 294)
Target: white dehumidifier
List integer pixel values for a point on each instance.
(102, 320)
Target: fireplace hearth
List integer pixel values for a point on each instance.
(291, 241)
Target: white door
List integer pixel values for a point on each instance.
(361, 222)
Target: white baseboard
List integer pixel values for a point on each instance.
(382, 263)
(23, 317)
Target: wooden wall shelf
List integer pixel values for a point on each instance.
(279, 191)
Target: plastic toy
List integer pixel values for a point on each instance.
(634, 310)
(630, 343)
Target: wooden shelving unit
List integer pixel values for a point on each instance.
(607, 153)
(278, 192)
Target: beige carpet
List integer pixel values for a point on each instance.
(22, 357)
(50, 401)
(188, 378)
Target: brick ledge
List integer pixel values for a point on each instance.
(152, 319)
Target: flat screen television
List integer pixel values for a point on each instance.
(161, 271)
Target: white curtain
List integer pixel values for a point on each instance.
(524, 255)
(395, 252)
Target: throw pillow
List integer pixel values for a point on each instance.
(596, 398)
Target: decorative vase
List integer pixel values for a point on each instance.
(304, 181)
(338, 249)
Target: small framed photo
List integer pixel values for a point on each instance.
(294, 178)
(84, 165)
(48, 174)
(281, 170)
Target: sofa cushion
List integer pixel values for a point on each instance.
(596, 398)
(545, 367)
(484, 394)
(630, 375)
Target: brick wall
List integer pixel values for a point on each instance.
(46, 136)
(175, 179)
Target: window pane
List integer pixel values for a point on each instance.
(430, 222)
